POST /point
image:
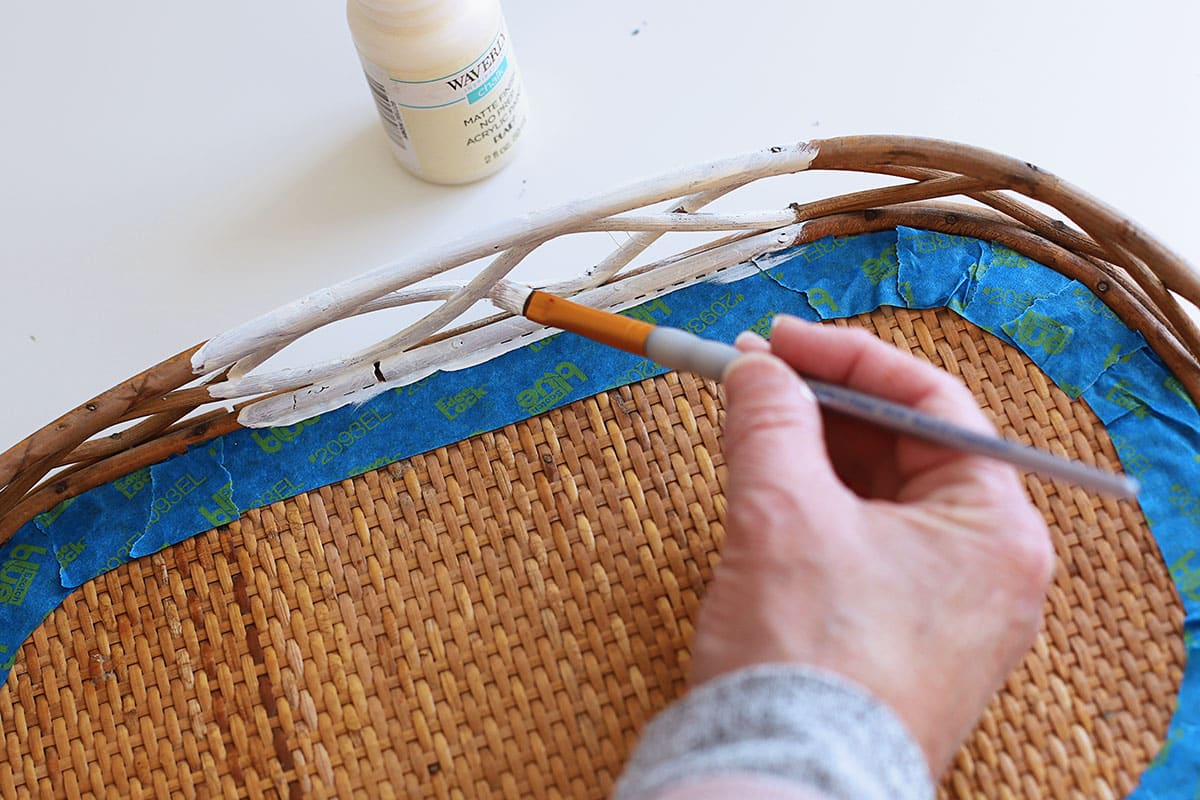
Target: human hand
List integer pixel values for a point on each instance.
(916, 571)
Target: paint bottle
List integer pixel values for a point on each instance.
(445, 82)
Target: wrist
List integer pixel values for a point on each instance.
(790, 723)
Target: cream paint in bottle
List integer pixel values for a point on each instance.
(444, 79)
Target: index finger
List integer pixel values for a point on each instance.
(857, 360)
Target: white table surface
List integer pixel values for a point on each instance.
(169, 170)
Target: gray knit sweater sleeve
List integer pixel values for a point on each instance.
(795, 724)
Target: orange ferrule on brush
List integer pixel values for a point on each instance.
(613, 330)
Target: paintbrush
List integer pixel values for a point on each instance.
(681, 350)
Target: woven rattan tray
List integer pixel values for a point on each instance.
(498, 615)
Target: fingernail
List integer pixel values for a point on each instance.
(747, 356)
(749, 339)
(805, 389)
(775, 320)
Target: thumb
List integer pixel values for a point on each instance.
(774, 439)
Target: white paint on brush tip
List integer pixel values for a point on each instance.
(510, 296)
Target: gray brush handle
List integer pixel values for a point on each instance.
(681, 350)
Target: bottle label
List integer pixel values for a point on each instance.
(470, 85)
(454, 128)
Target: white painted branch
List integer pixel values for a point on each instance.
(456, 302)
(288, 322)
(358, 383)
(420, 294)
(469, 295)
(406, 297)
(678, 221)
(247, 385)
(621, 257)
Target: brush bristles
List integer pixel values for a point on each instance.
(510, 296)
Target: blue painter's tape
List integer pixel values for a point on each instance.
(94, 532)
(1073, 337)
(1005, 285)
(937, 270)
(1054, 320)
(182, 490)
(29, 589)
(838, 274)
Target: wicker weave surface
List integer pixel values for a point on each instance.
(498, 618)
